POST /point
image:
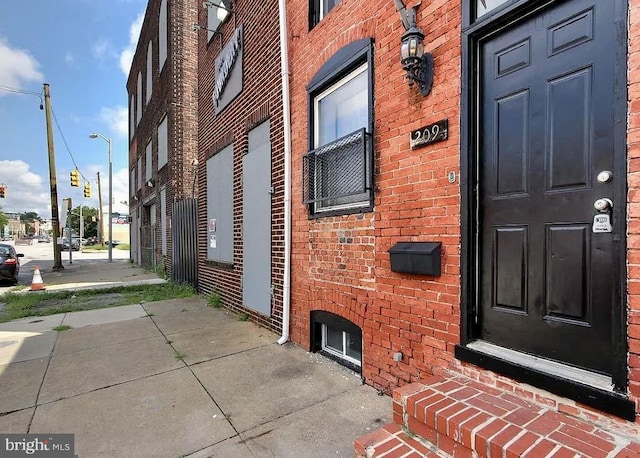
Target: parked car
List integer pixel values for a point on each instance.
(44, 239)
(92, 241)
(113, 242)
(9, 263)
(75, 244)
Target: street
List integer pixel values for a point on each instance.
(41, 254)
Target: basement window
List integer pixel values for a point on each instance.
(342, 344)
(337, 338)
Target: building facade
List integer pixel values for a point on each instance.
(485, 230)
(241, 158)
(163, 143)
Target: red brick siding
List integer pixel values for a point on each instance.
(633, 206)
(417, 315)
(174, 92)
(414, 200)
(260, 99)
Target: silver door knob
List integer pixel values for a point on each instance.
(605, 176)
(603, 205)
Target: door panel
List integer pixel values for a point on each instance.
(256, 226)
(547, 282)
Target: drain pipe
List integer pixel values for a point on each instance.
(286, 114)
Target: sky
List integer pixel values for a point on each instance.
(83, 50)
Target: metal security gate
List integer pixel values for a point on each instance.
(184, 224)
(147, 246)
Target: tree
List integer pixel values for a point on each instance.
(90, 217)
(3, 221)
(28, 217)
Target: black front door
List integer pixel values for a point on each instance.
(548, 281)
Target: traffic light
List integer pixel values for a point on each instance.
(75, 178)
(87, 190)
(3, 191)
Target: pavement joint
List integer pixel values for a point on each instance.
(193, 373)
(138, 414)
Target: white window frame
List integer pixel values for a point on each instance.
(163, 142)
(139, 173)
(340, 354)
(317, 207)
(132, 183)
(149, 87)
(322, 14)
(139, 99)
(318, 7)
(148, 161)
(132, 116)
(162, 35)
(163, 220)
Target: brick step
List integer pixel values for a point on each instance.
(459, 417)
(391, 441)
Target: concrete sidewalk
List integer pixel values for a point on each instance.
(94, 274)
(177, 378)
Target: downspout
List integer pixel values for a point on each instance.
(286, 114)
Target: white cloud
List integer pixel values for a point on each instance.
(101, 49)
(17, 66)
(68, 58)
(29, 192)
(117, 118)
(126, 56)
(26, 191)
(120, 191)
(120, 187)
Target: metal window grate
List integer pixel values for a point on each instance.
(339, 173)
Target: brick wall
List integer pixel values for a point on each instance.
(174, 93)
(633, 206)
(414, 200)
(260, 99)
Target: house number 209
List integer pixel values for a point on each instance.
(430, 134)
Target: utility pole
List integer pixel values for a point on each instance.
(55, 222)
(69, 228)
(101, 226)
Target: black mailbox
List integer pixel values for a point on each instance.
(416, 257)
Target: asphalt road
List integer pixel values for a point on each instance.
(41, 254)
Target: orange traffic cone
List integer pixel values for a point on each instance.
(37, 283)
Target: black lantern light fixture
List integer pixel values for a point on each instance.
(417, 63)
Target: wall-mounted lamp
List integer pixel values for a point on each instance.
(196, 27)
(150, 183)
(135, 198)
(209, 4)
(417, 63)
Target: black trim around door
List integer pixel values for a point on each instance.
(471, 35)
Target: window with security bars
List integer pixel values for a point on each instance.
(338, 175)
(338, 171)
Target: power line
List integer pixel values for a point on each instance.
(19, 91)
(64, 140)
